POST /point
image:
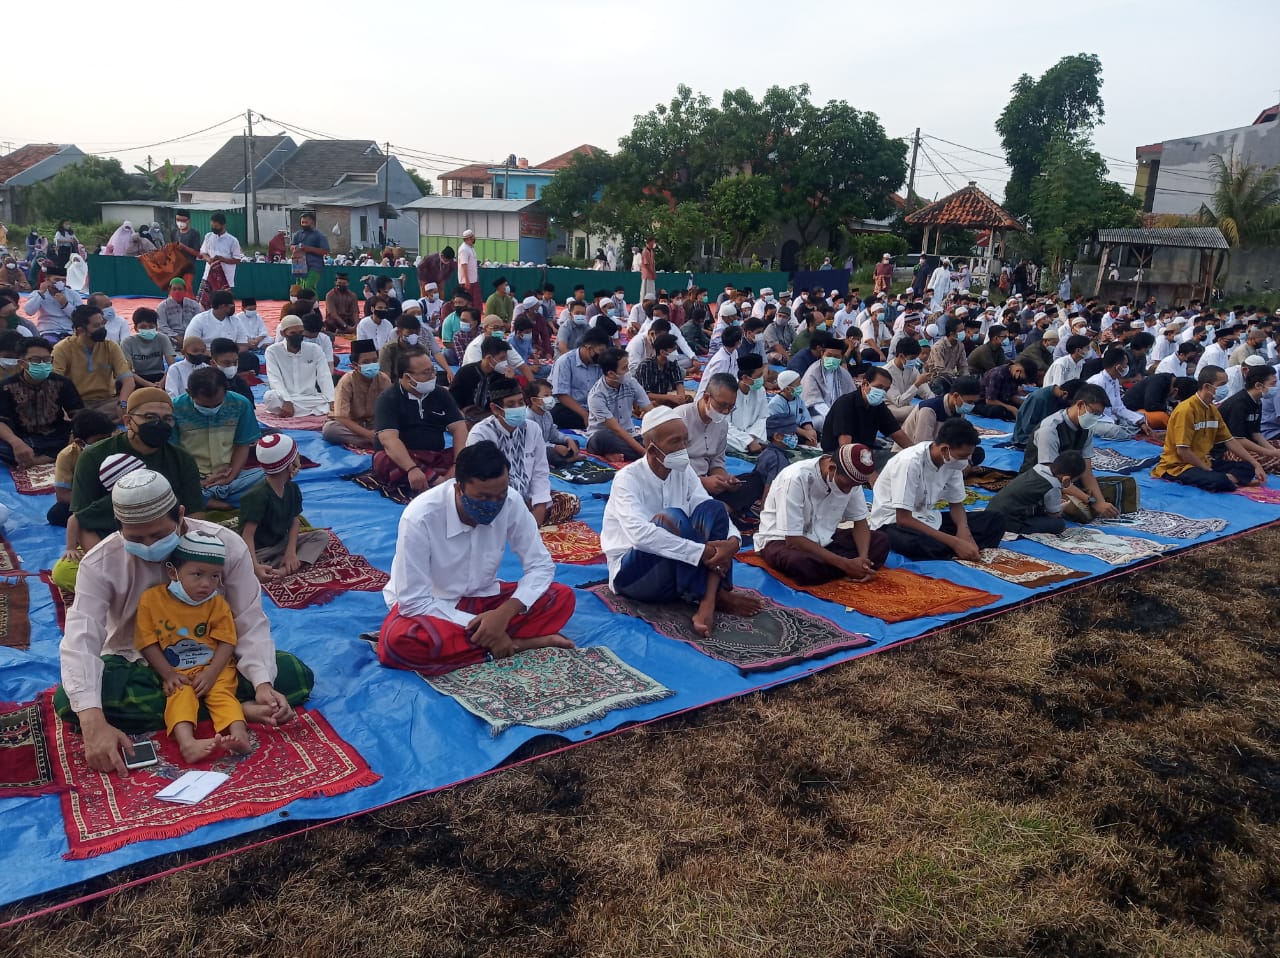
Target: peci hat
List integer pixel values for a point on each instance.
(276, 452)
(290, 322)
(199, 546)
(145, 395)
(856, 462)
(141, 496)
(361, 346)
(657, 416)
(115, 467)
(788, 377)
(728, 309)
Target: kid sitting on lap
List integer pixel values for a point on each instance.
(186, 632)
(271, 514)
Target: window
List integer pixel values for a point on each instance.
(531, 192)
(455, 189)
(477, 192)
(497, 191)
(364, 228)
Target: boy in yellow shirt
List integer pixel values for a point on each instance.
(186, 632)
(1195, 428)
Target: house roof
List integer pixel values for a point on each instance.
(967, 208)
(1151, 149)
(469, 205)
(25, 157)
(1268, 115)
(471, 173)
(320, 164)
(561, 161)
(224, 171)
(1190, 237)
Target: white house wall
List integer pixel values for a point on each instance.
(1184, 181)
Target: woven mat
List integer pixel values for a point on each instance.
(34, 480)
(335, 572)
(553, 689)
(400, 493)
(1022, 569)
(315, 423)
(25, 765)
(304, 759)
(773, 638)
(574, 542)
(1104, 546)
(1108, 460)
(15, 618)
(1169, 524)
(894, 595)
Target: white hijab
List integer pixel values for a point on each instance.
(121, 240)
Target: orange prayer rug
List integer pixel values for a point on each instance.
(15, 623)
(1022, 569)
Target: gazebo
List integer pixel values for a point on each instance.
(1189, 258)
(965, 209)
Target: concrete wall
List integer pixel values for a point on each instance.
(1260, 268)
(1184, 181)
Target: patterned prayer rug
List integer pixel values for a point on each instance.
(33, 481)
(552, 689)
(985, 432)
(1022, 569)
(15, 621)
(1261, 494)
(400, 493)
(1108, 460)
(1108, 548)
(296, 422)
(10, 563)
(972, 497)
(358, 450)
(572, 542)
(335, 572)
(584, 472)
(993, 480)
(894, 595)
(25, 766)
(1167, 524)
(1273, 467)
(773, 638)
(62, 599)
(304, 759)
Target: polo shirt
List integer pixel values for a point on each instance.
(605, 403)
(211, 439)
(421, 423)
(852, 415)
(94, 371)
(1195, 425)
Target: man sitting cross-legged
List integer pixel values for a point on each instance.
(1195, 427)
(663, 534)
(448, 607)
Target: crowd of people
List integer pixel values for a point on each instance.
(467, 401)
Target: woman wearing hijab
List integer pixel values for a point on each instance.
(120, 240)
(65, 243)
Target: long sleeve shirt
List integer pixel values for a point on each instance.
(903, 388)
(52, 317)
(173, 317)
(440, 559)
(302, 378)
(821, 387)
(1116, 410)
(525, 451)
(746, 422)
(101, 621)
(948, 358)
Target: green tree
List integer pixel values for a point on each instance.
(1246, 201)
(743, 209)
(1072, 197)
(75, 191)
(1065, 102)
(162, 182)
(571, 199)
(423, 184)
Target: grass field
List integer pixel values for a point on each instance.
(1093, 775)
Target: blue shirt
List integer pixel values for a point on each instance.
(572, 377)
(312, 238)
(779, 405)
(210, 439)
(1271, 414)
(801, 361)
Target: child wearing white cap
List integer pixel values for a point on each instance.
(271, 514)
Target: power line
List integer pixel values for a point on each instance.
(176, 139)
(963, 147)
(934, 165)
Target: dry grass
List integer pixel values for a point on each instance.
(1094, 775)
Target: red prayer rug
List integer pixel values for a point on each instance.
(25, 765)
(314, 423)
(1261, 494)
(62, 599)
(9, 561)
(572, 542)
(33, 480)
(15, 621)
(1272, 467)
(335, 572)
(304, 759)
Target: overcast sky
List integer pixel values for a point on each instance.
(547, 77)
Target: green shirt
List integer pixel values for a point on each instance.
(273, 514)
(90, 500)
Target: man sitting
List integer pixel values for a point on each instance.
(990, 354)
(911, 485)
(470, 387)
(97, 367)
(1071, 430)
(747, 421)
(1037, 407)
(861, 415)
(907, 379)
(660, 375)
(448, 607)
(36, 406)
(1118, 421)
(176, 311)
(298, 379)
(825, 381)
(574, 374)
(218, 321)
(610, 406)
(802, 532)
(341, 308)
(706, 422)
(664, 536)
(147, 351)
(354, 399)
(560, 448)
(218, 429)
(923, 423)
(791, 410)
(410, 420)
(193, 357)
(1243, 414)
(1002, 389)
(224, 356)
(1033, 501)
(1195, 428)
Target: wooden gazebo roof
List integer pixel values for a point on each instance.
(968, 208)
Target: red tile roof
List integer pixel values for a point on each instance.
(561, 161)
(969, 208)
(471, 173)
(1148, 150)
(25, 157)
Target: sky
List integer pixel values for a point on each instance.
(549, 77)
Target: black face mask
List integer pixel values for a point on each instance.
(155, 434)
(294, 341)
(198, 359)
(99, 335)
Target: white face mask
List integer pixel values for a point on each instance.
(424, 389)
(676, 460)
(715, 415)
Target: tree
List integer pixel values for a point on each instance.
(743, 210)
(75, 191)
(572, 197)
(421, 182)
(1065, 102)
(161, 183)
(1246, 201)
(1072, 197)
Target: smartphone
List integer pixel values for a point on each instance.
(144, 755)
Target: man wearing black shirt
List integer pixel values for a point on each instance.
(861, 415)
(409, 423)
(470, 387)
(1243, 415)
(225, 355)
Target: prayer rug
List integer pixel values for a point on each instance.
(400, 492)
(304, 759)
(584, 472)
(1108, 460)
(894, 595)
(25, 765)
(62, 599)
(1022, 569)
(9, 560)
(295, 422)
(572, 542)
(15, 622)
(1273, 468)
(335, 572)
(358, 450)
(33, 480)
(798, 454)
(1167, 524)
(993, 480)
(773, 638)
(1103, 546)
(972, 497)
(1261, 494)
(986, 432)
(552, 689)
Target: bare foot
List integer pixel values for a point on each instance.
(704, 621)
(555, 641)
(738, 603)
(198, 749)
(257, 712)
(236, 739)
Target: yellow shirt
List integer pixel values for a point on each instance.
(1195, 425)
(94, 372)
(64, 467)
(187, 634)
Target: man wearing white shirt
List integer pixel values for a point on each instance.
(875, 332)
(256, 337)
(448, 607)
(1118, 420)
(298, 378)
(724, 360)
(1068, 367)
(468, 269)
(1166, 340)
(221, 248)
(664, 536)
(766, 300)
(1218, 353)
(117, 329)
(1181, 362)
(194, 355)
(218, 321)
(747, 431)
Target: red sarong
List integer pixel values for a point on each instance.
(214, 280)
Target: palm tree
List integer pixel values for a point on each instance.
(1246, 201)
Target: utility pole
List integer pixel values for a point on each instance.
(148, 162)
(252, 211)
(246, 181)
(386, 190)
(911, 177)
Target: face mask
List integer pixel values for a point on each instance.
(830, 362)
(550, 403)
(109, 313)
(525, 337)
(295, 342)
(1089, 419)
(960, 336)
(820, 328)
(6, 363)
(876, 396)
(158, 551)
(516, 417)
(482, 511)
(369, 370)
(60, 286)
(424, 389)
(411, 339)
(208, 410)
(791, 441)
(1220, 394)
(956, 465)
(757, 384)
(155, 434)
(676, 460)
(715, 415)
(99, 335)
(177, 590)
(229, 371)
(580, 319)
(465, 327)
(199, 359)
(498, 334)
(39, 371)
(965, 408)
(147, 335)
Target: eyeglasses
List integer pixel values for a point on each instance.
(155, 417)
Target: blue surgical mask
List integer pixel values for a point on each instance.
(482, 511)
(791, 441)
(516, 416)
(178, 592)
(876, 396)
(39, 371)
(965, 408)
(465, 327)
(158, 551)
(208, 410)
(369, 370)
(1220, 394)
(147, 334)
(960, 336)
(411, 339)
